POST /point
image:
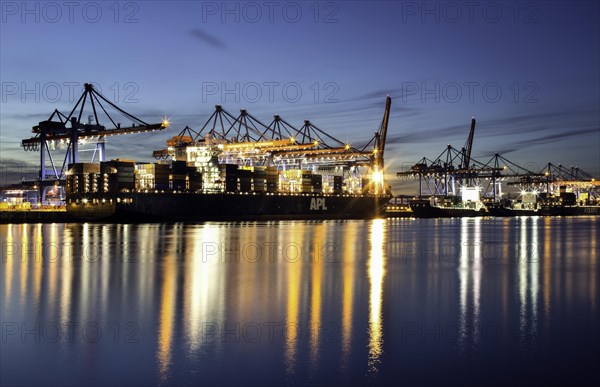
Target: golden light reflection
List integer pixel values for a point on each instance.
(167, 310)
(53, 260)
(25, 248)
(37, 261)
(66, 273)
(316, 297)
(245, 251)
(10, 259)
(108, 259)
(145, 248)
(294, 275)
(204, 284)
(376, 272)
(86, 282)
(348, 293)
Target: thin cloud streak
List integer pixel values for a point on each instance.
(207, 38)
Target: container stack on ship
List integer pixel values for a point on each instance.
(237, 168)
(248, 170)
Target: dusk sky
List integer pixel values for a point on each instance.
(529, 72)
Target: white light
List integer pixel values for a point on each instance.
(378, 177)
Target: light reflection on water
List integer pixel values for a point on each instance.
(348, 281)
(294, 275)
(297, 302)
(376, 270)
(470, 268)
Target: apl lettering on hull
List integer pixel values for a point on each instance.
(317, 204)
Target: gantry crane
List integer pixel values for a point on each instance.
(281, 139)
(440, 174)
(70, 130)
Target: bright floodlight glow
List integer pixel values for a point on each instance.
(378, 178)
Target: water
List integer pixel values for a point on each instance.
(417, 302)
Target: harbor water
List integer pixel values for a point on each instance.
(486, 301)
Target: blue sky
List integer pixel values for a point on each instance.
(529, 72)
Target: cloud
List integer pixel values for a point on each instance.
(426, 135)
(207, 38)
(501, 151)
(558, 136)
(27, 116)
(520, 125)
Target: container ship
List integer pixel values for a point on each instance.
(237, 168)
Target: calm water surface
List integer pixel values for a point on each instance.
(414, 302)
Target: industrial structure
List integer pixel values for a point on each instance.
(455, 184)
(304, 160)
(233, 167)
(237, 166)
(67, 132)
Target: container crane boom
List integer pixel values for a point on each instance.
(384, 125)
(469, 145)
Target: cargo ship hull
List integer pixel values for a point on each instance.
(239, 206)
(570, 210)
(423, 209)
